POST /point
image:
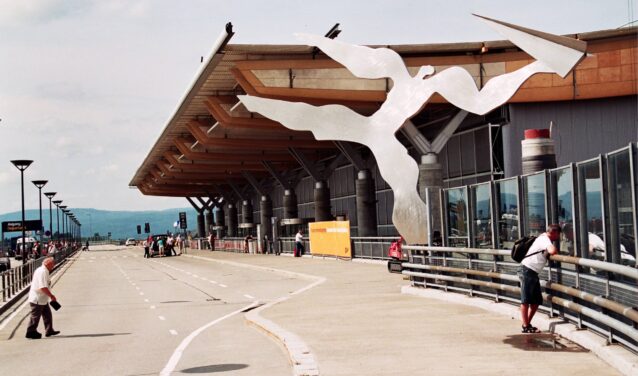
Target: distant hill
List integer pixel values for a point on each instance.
(121, 224)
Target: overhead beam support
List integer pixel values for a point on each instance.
(351, 154)
(284, 183)
(254, 183)
(307, 165)
(447, 132)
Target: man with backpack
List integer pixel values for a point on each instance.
(531, 266)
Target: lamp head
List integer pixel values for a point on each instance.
(39, 183)
(63, 207)
(21, 164)
(50, 194)
(57, 202)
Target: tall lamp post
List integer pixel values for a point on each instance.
(57, 211)
(63, 207)
(50, 195)
(39, 184)
(22, 164)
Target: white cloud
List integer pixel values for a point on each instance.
(16, 12)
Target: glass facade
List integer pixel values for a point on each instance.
(457, 226)
(507, 213)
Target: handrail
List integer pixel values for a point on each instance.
(626, 311)
(627, 271)
(607, 320)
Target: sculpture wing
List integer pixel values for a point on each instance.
(363, 62)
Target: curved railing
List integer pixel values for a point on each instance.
(592, 294)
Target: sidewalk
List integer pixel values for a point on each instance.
(358, 322)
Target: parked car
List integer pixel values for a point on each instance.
(130, 241)
(155, 250)
(5, 261)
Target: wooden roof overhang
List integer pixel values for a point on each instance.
(212, 138)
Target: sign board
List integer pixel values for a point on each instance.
(330, 238)
(14, 226)
(182, 220)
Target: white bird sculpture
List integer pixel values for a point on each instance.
(408, 95)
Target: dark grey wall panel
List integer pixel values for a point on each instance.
(582, 129)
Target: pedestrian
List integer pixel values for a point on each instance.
(531, 266)
(299, 244)
(170, 243)
(211, 240)
(146, 246)
(39, 295)
(160, 245)
(180, 243)
(265, 245)
(86, 246)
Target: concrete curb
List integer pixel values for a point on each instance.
(302, 360)
(616, 356)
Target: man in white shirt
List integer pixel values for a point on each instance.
(531, 266)
(299, 243)
(39, 295)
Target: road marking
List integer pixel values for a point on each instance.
(161, 318)
(213, 281)
(222, 285)
(249, 296)
(173, 332)
(141, 293)
(152, 307)
(177, 354)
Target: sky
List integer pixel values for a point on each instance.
(86, 87)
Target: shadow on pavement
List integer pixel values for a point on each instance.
(92, 335)
(215, 368)
(543, 342)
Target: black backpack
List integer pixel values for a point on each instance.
(521, 246)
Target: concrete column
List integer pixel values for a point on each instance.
(220, 222)
(232, 220)
(366, 204)
(209, 220)
(322, 201)
(431, 178)
(290, 204)
(246, 212)
(201, 228)
(265, 212)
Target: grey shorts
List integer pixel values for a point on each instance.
(530, 286)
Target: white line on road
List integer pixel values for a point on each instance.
(249, 296)
(177, 354)
(213, 281)
(222, 285)
(161, 318)
(173, 332)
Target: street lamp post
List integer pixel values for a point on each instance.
(57, 211)
(50, 195)
(39, 184)
(63, 207)
(22, 164)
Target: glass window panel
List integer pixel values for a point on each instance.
(534, 204)
(507, 212)
(482, 218)
(457, 217)
(454, 157)
(467, 153)
(592, 209)
(482, 147)
(563, 181)
(620, 189)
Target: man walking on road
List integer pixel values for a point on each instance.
(531, 266)
(39, 295)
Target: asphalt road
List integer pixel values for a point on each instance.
(125, 315)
